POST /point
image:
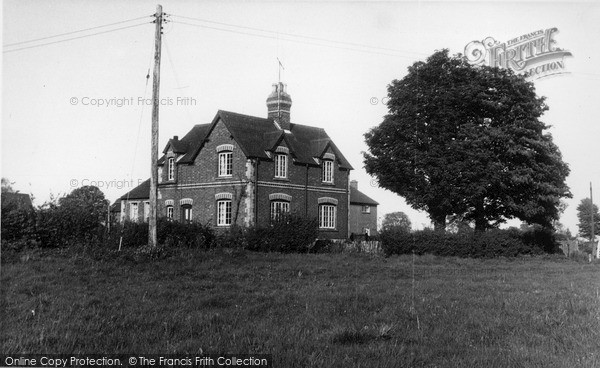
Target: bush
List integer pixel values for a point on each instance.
(491, 243)
(17, 223)
(291, 234)
(169, 234)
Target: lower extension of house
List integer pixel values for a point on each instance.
(245, 170)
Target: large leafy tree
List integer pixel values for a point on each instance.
(466, 141)
(396, 221)
(584, 214)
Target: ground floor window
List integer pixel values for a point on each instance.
(224, 213)
(327, 216)
(146, 211)
(279, 209)
(133, 211)
(186, 213)
(170, 212)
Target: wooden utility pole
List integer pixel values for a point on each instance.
(592, 236)
(155, 104)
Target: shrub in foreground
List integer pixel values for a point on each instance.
(170, 234)
(291, 234)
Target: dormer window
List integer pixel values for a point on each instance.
(281, 166)
(327, 171)
(327, 165)
(171, 168)
(225, 160)
(281, 162)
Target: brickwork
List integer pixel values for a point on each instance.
(200, 182)
(252, 186)
(360, 220)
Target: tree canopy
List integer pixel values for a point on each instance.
(584, 214)
(396, 221)
(466, 141)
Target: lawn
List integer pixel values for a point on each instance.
(325, 310)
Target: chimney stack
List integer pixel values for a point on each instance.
(279, 104)
(354, 184)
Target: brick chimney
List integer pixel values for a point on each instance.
(279, 104)
(354, 184)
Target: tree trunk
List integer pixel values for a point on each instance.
(439, 222)
(481, 223)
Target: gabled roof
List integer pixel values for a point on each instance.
(142, 191)
(256, 135)
(191, 143)
(358, 197)
(177, 146)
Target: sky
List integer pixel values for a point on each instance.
(75, 108)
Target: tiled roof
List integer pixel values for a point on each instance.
(256, 135)
(358, 197)
(142, 191)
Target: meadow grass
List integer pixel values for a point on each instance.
(326, 310)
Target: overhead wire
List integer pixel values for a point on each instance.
(73, 32)
(75, 38)
(298, 38)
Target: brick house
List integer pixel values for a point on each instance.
(363, 212)
(247, 170)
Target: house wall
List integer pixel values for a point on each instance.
(305, 186)
(250, 201)
(200, 181)
(359, 220)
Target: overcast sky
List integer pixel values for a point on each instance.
(338, 57)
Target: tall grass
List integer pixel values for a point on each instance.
(308, 310)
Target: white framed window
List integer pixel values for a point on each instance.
(367, 231)
(281, 166)
(171, 169)
(224, 213)
(146, 211)
(327, 171)
(170, 212)
(225, 164)
(366, 209)
(279, 209)
(186, 213)
(133, 211)
(327, 216)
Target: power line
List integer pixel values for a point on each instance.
(75, 38)
(290, 35)
(72, 32)
(293, 40)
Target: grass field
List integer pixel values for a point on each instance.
(328, 310)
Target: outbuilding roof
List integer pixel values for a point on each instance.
(142, 191)
(358, 197)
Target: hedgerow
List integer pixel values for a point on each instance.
(476, 244)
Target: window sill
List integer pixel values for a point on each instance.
(281, 179)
